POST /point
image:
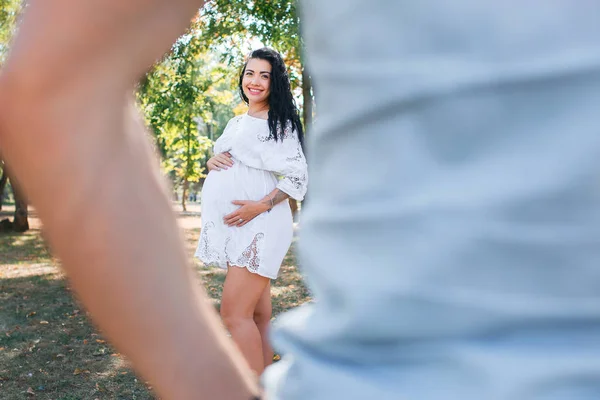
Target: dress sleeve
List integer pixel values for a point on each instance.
(225, 141)
(286, 158)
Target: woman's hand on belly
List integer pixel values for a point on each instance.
(219, 161)
(247, 212)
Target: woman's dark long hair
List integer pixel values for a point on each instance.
(282, 107)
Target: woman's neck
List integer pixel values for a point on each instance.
(259, 110)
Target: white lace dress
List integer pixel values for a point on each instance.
(261, 244)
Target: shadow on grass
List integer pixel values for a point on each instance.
(23, 248)
(49, 348)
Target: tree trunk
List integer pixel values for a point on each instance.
(3, 180)
(294, 207)
(184, 194)
(307, 99)
(20, 220)
(209, 131)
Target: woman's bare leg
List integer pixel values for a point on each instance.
(241, 293)
(262, 319)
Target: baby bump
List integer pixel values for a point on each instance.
(238, 182)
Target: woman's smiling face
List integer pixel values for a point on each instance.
(256, 81)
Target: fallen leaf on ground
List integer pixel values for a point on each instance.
(80, 371)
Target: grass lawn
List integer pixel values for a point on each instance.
(49, 349)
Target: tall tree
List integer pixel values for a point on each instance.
(9, 12)
(187, 102)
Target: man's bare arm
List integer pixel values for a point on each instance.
(70, 134)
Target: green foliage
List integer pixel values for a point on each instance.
(9, 12)
(233, 23)
(187, 101)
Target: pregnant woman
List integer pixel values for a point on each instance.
(247, 224)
